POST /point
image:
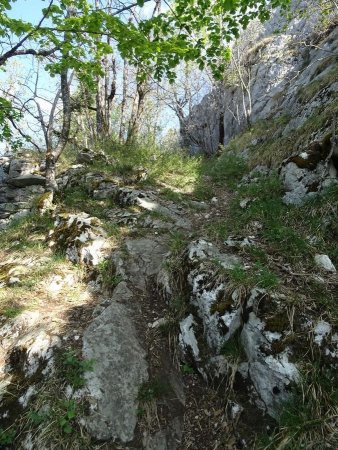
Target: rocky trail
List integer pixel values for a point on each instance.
(136, 393)
(162, 350)
(166, 301)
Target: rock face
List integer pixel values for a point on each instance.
(276, 79)
(19, 188)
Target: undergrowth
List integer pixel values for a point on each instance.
(292, 232)
(173, 168)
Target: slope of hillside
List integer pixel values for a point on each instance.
(172, 302)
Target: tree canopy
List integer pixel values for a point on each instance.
(78, 33)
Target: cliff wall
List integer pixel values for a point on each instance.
(283, 74)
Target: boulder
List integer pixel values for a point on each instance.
(85, 157)
(81, 237)
(224, 319)
(306, 173)
(270, 369)
(219, 313)
(70, 177)
(21, 167)
(88, 156)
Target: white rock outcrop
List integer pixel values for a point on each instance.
(81, 237)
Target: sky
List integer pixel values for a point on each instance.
(29, 10)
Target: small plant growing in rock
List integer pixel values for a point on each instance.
(12, 312)
(187, 370)
(152, 390)
(75, 368)
(69, 415)
(106, 271)
(7, 436)
(264, 278)
(233, 348)
(237, 274)
(37, 417)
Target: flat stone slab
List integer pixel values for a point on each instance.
(119, 370)
(27, 180)
(146, 258)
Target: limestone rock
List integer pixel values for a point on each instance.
(165, 439)
(240, 242)
(259, 321)
(71, 177)
(120, 368)
(21, 167)
(187, 337)
(322, 330)
(81, 237)
(201, 250)
(149, 202)
(27, 347)
(305, 174)
(164, 283)
(271, 373)
(3, 173)
(85, 157)
(255, 174)
(145, 259)
(220, 316)
(122, 217)
(325, 263)
(27, 180)
(19, 188)
(88, 156)
(33, 350)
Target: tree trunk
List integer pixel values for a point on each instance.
(53, 154)
(124, 101)
(106, 88)
(137, 110)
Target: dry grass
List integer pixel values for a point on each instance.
(53, 290)
(310, 419)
